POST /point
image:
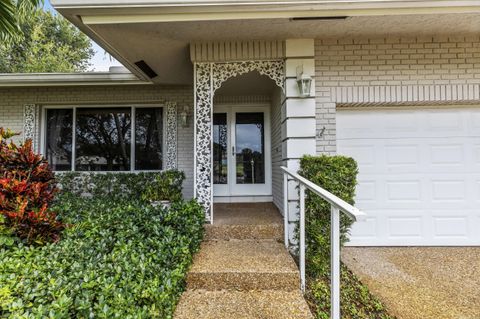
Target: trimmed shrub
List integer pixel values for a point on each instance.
(143, 185)
(27, 187)
(121, 259)
(338, 175)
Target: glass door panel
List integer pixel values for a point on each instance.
(250, 148)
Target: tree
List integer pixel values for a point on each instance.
(11, 13)
(46, 43)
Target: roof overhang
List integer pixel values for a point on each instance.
(160, 31)
(68, 79)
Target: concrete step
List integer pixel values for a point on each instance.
(243, 265)
(267, 304)
(226, 232)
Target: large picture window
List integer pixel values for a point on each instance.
(104, 138)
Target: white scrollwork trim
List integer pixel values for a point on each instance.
(203, 136)
(29, 120)
(275, 70)
(208, 78)
(171, 158)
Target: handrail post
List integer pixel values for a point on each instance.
(302, 236)
(335, 262)
(285, 209)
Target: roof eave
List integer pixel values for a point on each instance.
(68, 79)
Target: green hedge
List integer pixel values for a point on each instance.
(166, 185)
(118, 258)
(337, 174)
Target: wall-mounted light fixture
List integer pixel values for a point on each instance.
(304, 82)
(184, 117)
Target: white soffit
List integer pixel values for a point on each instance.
(159, 32)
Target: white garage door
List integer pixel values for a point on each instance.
(419, 174)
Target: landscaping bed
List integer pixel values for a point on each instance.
(91, 245)
(116, 259)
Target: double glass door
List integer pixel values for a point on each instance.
(241, 151)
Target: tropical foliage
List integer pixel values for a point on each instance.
(27, 187)
(336, 174)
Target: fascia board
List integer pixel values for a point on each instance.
(238, 15)
(68, 79)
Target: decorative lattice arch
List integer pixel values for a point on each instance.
(209, 78)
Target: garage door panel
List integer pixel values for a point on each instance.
(401, 154)
(367, 229)
(476, 154)
(448, 190)
(450, 226)
(419, 175)
(364, 154)
(403, 191)
(368, 192)
(407, 125)
(444, 122)
(405, 225)
(474, 121)
(451, 154)
(403, 124)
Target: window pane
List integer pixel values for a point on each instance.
(103, 137)
(58, 150)
(148, 138)
(220, 159)
(250, 148)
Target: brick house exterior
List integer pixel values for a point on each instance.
(410, 76)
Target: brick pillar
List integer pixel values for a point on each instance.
(298, 116)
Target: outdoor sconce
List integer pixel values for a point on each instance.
(184, 117)
(304, 82)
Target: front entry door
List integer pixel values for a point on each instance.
(241, 151)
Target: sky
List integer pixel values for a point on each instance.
(101, 61)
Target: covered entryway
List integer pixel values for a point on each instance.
(241, 151)
(419, 174)
(242, 139)
(237, 176)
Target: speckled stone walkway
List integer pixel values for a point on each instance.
(421, 282)
(243, 269)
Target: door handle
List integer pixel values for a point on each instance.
(233, 150)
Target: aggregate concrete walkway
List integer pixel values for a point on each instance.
(421, 282)
(243, 270)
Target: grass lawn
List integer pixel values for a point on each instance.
(116, 259)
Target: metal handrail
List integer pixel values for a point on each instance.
(336, 205)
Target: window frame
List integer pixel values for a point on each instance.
(133, 107)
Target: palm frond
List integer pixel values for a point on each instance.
(11, 13)
(8, 20)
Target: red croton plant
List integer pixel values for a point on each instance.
(27, 187)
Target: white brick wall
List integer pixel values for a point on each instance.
(12, 101)
(392, 61)
(277, 161)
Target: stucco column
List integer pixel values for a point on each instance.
(298, 116)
